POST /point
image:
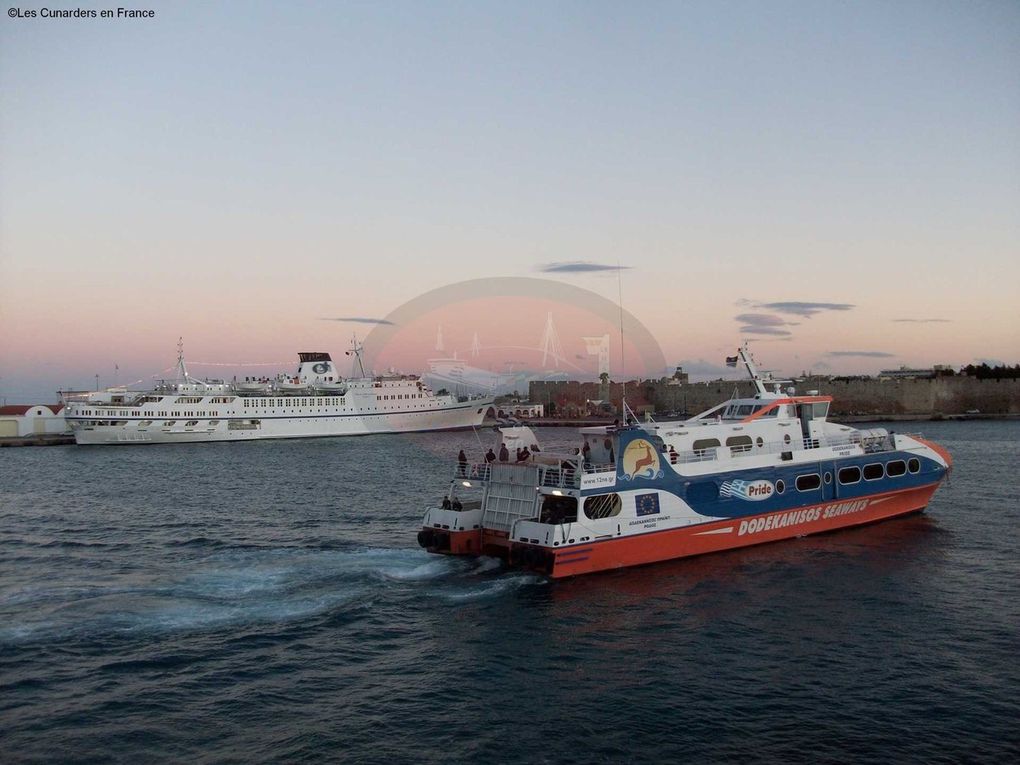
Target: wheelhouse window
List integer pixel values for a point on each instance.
(808, 482)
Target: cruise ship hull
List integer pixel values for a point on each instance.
(469, 415)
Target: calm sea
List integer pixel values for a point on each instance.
(268, 602)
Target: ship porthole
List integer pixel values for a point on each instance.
(828, 478)
(780, 486)
(760, 441)
(786, 438)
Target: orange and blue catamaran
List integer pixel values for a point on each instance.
(747, 471)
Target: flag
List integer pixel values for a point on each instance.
(646, 504)
(731, 361)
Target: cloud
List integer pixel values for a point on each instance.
(821, 365)
(764, 324)
(762, 319)
(862, 354)
(356, 320)
(924, 321)
(751, 329)
(807, 310)
(578, 267)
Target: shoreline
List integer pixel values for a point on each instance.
(846, 419)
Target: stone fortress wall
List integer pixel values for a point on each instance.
(912, 396)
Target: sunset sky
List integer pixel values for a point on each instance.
(837, 182)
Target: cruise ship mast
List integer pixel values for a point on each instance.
(355, 351)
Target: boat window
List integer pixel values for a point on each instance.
(820, 410)
(760, 442)
(780, 486)
(746, 409)
(602, 506)
(739, 444)
(896, 468)
(849, 475)
(873, 472)
(808, 482)
(703, 444)
(558, 509)
(914, 465)
(771, 412)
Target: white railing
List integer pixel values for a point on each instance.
(869, 446)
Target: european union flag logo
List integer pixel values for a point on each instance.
(646, 504)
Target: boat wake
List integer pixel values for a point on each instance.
(246, 586)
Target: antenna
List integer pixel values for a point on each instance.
(745, 355)
(182, 369)
(623, 348)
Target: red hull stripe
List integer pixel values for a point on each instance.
(732, 533)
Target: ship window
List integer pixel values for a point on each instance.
(849, 475)
(895, 468)
(819, 411)
(914, 465)
(602, 506)
(171, 422)
(558, 509)
(760, 442)
(739, 444)
(808, 482)
(873, 472)
(780, 486)
(703, 444)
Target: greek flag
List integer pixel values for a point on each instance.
(736, 488)
(731, 361)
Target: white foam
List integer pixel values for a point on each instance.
(495, 588)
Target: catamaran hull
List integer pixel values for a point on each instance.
(729, 534)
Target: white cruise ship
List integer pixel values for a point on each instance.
(316, 401)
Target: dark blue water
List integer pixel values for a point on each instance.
(267, 602)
